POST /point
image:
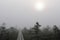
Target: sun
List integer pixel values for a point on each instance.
(39, 6)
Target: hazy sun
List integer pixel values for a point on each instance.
(39, 6)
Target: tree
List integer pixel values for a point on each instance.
(13, 33)
(56, 32)
(36, 30)
(3, 34)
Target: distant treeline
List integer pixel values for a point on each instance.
(34, 33)
(47, 33)
(8, 34)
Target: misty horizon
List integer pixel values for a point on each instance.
(20, 13)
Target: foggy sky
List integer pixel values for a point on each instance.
(21, 13)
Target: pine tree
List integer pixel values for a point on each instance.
(36, 28)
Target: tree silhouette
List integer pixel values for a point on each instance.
(36, 30)
(56, 32)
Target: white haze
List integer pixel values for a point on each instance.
(21, 13)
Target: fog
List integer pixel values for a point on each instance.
(21, 13)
